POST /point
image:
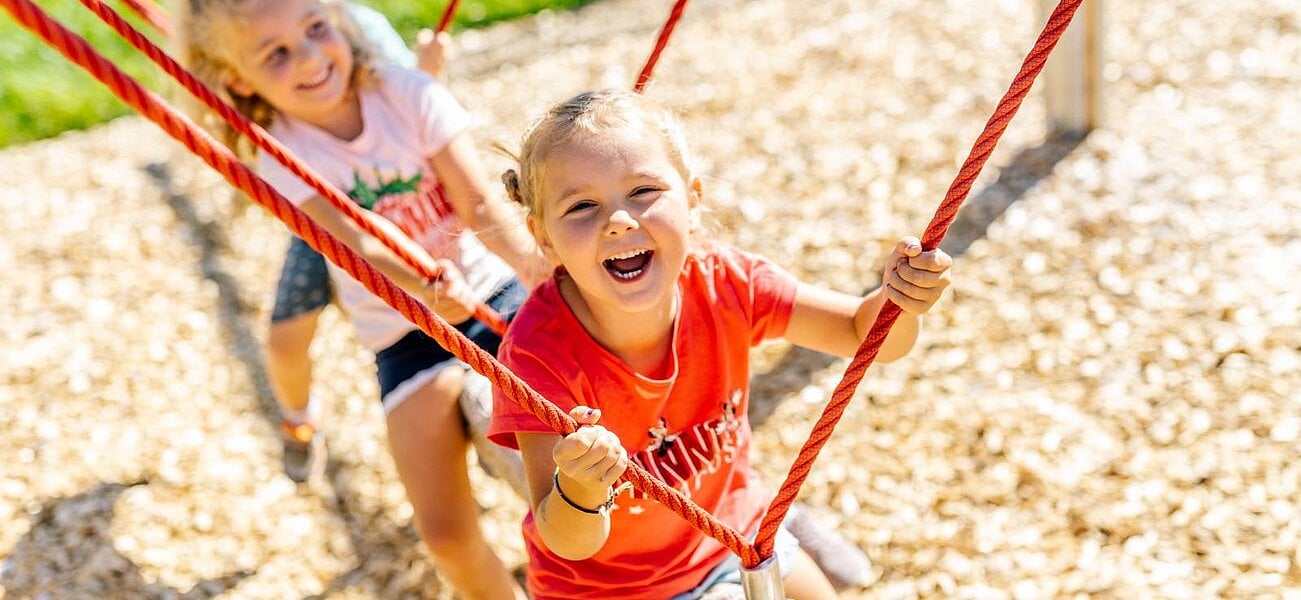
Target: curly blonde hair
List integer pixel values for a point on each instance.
(589, 113)
(201, 49)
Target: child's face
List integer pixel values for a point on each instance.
(616, 214)
(291, 54)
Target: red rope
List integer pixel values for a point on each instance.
(674, 16)
(75, 49)
(152, 14)
(272, 147)
(448, 13)
(939, 225)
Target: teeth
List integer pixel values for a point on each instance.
(318, 80)
(628, 254)
(628, 275)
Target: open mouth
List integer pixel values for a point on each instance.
(320, 79)
(628, 266)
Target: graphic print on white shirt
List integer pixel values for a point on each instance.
(417, 205)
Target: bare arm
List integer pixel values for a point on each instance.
(585, 463)
(837, 323)
(491, 217)
(449, 298)
(327, 216)
(829, 322)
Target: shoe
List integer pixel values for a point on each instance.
(304, 452)
(498, 461)
(843, 563)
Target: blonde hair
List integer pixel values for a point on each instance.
(201, 49)
(589, 113)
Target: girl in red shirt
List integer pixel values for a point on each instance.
(647, 332)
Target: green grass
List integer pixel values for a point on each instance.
(42, 94)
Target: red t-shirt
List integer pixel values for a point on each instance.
(689, 429)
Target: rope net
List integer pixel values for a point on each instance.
(222, 160)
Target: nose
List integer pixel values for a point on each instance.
(311, 54)
(621, 221)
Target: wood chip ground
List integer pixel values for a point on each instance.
(1108, 404)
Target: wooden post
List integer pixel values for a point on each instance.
(1073, 76)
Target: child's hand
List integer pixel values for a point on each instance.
(449, 295)
(433, 52)
(914, 280)
(590, 459)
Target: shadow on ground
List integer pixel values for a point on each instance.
(69, 553)
(373, 535)
(797, 367)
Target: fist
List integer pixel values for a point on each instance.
(914, 279)
(449, 295)
(590, 459)
(433, 52)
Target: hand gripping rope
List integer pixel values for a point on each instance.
(931, 238)
(75, 49)
(221, 160)
(274, 148)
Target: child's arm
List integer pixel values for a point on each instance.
(450, 298)
(585, 464)
(837, 323)
(490, 217)
(433, 52)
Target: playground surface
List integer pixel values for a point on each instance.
(1112, 406)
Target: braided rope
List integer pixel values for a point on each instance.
(276, 150)
(152, 14)
(674, 16)
(939, 225)
(448, 12)
(217, 156)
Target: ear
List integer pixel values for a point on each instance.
(695, 198)
(695, 193)
(238, 87)
(544, 243)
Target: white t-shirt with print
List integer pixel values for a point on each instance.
(406, 119)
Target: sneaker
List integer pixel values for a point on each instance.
(304, 451)
(498, 461)
(843, 563)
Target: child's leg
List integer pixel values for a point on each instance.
(289, 362)
(301, 293)
(805, 581)
(428, 441)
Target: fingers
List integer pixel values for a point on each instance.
(444, 39)
(449, 295)
(425, 37)
(908, 246)
(593, 457)
(909, 271)
(585, 415)
(917, 278)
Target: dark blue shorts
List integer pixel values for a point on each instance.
(304, 282)
(415, 359)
